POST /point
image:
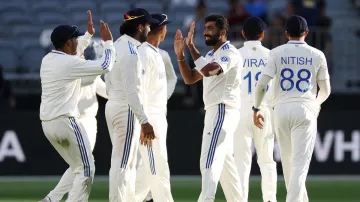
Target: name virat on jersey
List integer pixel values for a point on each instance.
(254, 62)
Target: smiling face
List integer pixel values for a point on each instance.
(211, 33)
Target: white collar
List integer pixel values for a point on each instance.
(252, 43)
(131, 39)
(58, 52)
(151, 46)
(296, 42)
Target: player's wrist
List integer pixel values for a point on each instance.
(255, 109)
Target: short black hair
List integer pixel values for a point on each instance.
(253, 27)
(220, 21)
(131, 27)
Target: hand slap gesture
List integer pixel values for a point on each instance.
(105, 31)
(190, 37)
(179, 43)
(90, 25)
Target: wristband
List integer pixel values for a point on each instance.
(255, 109)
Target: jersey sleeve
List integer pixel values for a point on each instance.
(270, 68)
(83, 43)
(323, 73)
(100, 87)
(170, 74)
(227, 59)
(81, 68)
(132, 86)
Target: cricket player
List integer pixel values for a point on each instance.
(255, 57)
(61, 76)
(88, 107)
(297, 70)
(171, 79)
(220, 70)
(124, 110)
(155, 175)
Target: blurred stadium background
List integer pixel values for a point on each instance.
(27, 159)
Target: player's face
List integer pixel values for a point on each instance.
(163, 32)
(211, 34)
(144, 31)
(73, 43)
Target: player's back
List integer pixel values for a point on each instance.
(126, 57)
(155, 85)
(254, 61)
(295, 67)
(60, 89)
(225, 87)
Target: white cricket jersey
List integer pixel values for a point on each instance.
(61, 75)
(123, 83)
(170, 72)
(225, 87)
(88, 103)
(254, 61)
(155, 83)
(295, 68)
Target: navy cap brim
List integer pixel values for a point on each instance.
(149, 19)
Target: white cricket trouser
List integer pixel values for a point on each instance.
(154, 174)
(217, 161)
(124, 132)
(264, 144)
(66, 181)
(141, 171)
(296, 129)
(70, 139)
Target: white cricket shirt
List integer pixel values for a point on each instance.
(155, 83)
(225, 87)
(254, 61)
(170, 72)
(295, 68)
(88, 103)
(61, 75)
(123, 83)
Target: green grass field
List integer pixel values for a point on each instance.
(185, 190)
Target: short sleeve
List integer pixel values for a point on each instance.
(323, 73)
(270, 68)
(227, 59)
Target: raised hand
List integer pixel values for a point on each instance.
(105, 31)
(179, 43)
(90, 25)
(190, 37)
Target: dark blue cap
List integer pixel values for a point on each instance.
(162, 18)
(253, 26)
(62, 33)
(139, 15)
(296, 25)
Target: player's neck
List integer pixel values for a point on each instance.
(64, 50)
(302, 39)
(155, 41)
(219, 44)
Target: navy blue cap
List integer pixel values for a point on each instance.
(162, 18)
(139, 15)
(296, 25)
(253, 26)
(62, 33)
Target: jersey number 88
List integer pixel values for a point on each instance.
(289, 79)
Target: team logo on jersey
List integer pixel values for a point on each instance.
(224, 59)
(254, 49)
